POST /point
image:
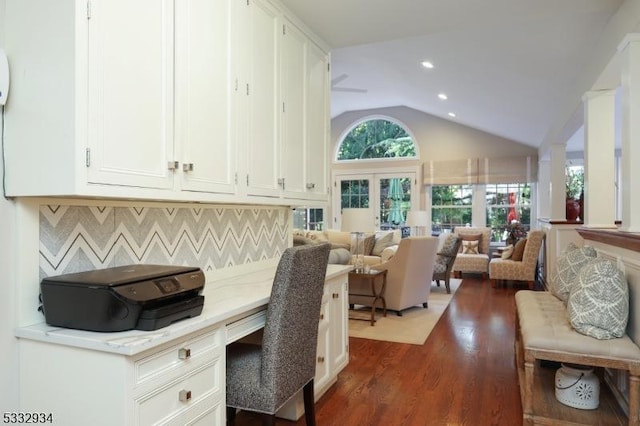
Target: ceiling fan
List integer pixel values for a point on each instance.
(339, 79)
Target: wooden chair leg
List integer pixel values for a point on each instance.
(231, 415)
(493, 282)
(268, 419)
(309, 404)
(446, 284)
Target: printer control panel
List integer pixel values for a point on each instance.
(154, 289)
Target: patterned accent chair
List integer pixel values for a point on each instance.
(524, 270)
(473, 262)
(445, 259)
(263, 378)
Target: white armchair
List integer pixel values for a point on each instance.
(409, 274)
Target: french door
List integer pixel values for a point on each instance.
(383, 198)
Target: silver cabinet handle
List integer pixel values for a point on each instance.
(187, 167)
(184, 395)
(184, 353)
(173, 165)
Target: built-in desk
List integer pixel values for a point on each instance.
(173, 375)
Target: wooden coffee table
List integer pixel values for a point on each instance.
(368, 287)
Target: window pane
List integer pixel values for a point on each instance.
(355, 193)
(506, 203)
(376, 139)
(451, 206)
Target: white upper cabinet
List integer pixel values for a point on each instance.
(293, 80)
(205, 144)
(130, 93)
(178, 100)
(257, 114)
(317, 123)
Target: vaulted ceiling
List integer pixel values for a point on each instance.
(504, 65)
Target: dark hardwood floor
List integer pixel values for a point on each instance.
(464, 374)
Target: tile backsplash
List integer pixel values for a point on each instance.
(81, 238)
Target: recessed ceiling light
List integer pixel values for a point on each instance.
(442, 96)
(427, 64)
(452, 114)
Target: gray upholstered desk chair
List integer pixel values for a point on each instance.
(263, 378)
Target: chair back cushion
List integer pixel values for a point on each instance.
(291, 326)
(472, 232)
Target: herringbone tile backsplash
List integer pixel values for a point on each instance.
(81, 238)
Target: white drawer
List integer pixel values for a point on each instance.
(188, 399)
(245, 326)
(188, 353)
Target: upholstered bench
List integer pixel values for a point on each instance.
(543, 332)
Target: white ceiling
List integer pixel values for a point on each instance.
(504, 64)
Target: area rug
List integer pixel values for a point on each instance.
(412, 327)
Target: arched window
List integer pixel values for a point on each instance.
(376, 138)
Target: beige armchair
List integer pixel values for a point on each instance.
(409, 274)
(524, 270)
(473, 262)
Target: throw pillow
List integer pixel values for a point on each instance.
(518, 250)
(369, 243)
(507, 253)
(382, 243)
(568, 267)
(470, 247)
(469, 237)
(598, 304)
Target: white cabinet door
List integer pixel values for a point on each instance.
(258, 115)
(323, 351)
(317, 123)
(204, 136)
(293, 81)
(130, 93)
(340, 325)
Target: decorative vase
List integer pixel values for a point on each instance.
(572, 209)
(357, 249)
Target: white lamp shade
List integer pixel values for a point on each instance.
(418, 218)
(357, 220)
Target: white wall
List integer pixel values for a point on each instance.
(8, 344)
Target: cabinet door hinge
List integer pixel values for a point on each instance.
(248, 2)
(235, 178)
(283, 109)
(284, 29)
(247, 89)
(88, 9)
(247, 179)
(87, 157)
(328, 66)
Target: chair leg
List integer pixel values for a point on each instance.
(268, 419)
(446, 284)
(309, 404)
(425, 305)
(438, 283)
(231, 415)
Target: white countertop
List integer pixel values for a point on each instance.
(226, 300)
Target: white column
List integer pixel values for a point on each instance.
(557, 188)
(544, 189)
(599, 159)
(630, 59)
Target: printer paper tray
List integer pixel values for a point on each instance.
(162, 316)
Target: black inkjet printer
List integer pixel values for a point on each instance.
(142, 297)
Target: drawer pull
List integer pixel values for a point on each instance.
(184, 395)
(321, 316)
(320, 359)
(184, 353)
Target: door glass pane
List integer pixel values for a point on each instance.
(354, 193)
(395, 201)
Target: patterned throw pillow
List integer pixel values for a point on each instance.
(568, 267)
(598, 304)
(469, 237)
(470, 247)
(518, 250)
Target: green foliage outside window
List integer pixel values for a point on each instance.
(451, 206)
(376, 139)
